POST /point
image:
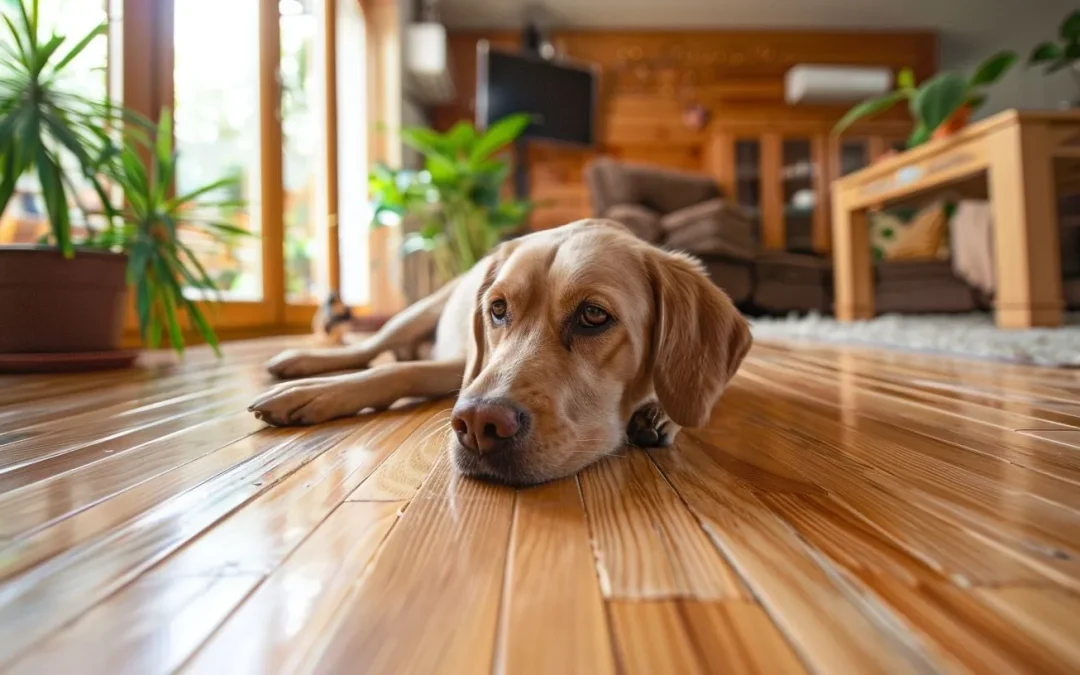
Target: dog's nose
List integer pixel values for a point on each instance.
(485, 425)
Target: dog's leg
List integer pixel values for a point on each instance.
(325, 398)
(403, 331)
(650, 427)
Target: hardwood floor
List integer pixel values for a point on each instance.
(846, 511)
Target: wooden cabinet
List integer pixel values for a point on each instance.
(780, 174)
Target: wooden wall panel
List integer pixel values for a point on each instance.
(648, 78)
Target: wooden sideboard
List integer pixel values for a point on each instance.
(776, 160)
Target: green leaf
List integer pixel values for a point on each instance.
(442, 169)
(461, 138)
(163, 142)
(55, 197)
(1070, 27)
(938, 98)
(425, 140)
(905, 79)
(869, 107)
(202, 325)
(81, 45)
(1045, 53)
(992, 69)
(500, 134)
(976, 102)
(199, 192)
(17, 38)
(45, 53)
(918, 136)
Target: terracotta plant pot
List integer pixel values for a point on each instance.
(957, 121)
(49, 304)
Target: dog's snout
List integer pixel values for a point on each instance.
(485, 425)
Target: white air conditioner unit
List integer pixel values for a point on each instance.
(835, 84)
(427, 64)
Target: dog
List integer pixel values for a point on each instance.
(565, 345)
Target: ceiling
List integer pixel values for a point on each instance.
(737, 13)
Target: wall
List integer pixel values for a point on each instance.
(649, 78)
(968, 30)
(1013, 25)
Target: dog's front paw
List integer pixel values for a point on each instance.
(301, 403)
(294, 363)
(650, 427)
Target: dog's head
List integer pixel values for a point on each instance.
(573, 330)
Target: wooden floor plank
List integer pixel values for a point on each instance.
(648, 545)
(682, 636)
(400, 476)
(43, 598)
(437, 580)
(551, 541)
(833, 625)
(276, 628)
(845, 510)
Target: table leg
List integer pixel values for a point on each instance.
(853, 274)
(1026, 228)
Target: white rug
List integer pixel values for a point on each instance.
(966, 335)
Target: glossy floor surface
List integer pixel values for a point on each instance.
(847, 511)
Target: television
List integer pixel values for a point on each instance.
(561, 96)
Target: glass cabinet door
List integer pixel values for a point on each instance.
(748, 177)
(854, 155)
(798, 173)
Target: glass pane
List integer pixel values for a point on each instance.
(748, 177)
(799, 196)
(352, 207)
(854, 155)
(216, 79)
(24, 220)
(303, 159)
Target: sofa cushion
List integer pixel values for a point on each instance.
(660, 189)
(733, 277)
(642, 221)
(711, 227)
(792, 282)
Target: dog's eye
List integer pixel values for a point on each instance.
(593, 317)
(498, 311)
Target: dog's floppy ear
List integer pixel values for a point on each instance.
(699, 338)
(476, 348)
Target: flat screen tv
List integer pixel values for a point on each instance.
(560, 96)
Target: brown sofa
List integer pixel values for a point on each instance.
(686, 211)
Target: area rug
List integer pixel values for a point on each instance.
(965, 335)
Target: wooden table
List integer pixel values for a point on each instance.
(1020, 160)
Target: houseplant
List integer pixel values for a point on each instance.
(1062, 53)
(941, 104)
(69, 293)
(457, 200)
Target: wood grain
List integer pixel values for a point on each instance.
(844, 510)
(648, 545)
(550, 542)
(683, 636)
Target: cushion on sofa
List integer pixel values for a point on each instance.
(642, 221)
(714, 226)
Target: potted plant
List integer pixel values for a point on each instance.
(1063, 53)
(457, 201)
(68, 294)
(939, 106)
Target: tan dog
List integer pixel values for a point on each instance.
(565, 343)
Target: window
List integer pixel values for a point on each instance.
(303, 151)
(24, 220)
(216, 94)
